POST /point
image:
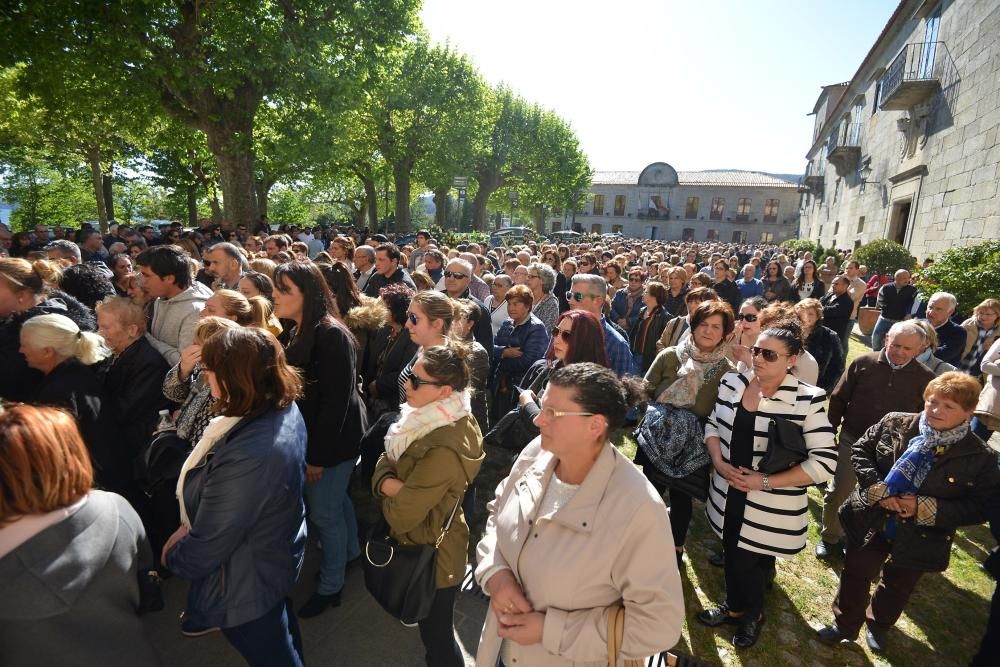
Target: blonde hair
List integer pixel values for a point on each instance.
(438, 306)
(127, 311)
(810, 304)
(930, 332)
(263, 265)
(37, 276)
(251, 312)
(64, 337)
(209, 326)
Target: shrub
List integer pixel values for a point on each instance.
(803, 245)
(884, 256)
(971, 273)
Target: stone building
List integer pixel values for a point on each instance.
(662, 203)
(908, 148)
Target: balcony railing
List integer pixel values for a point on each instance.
(915, 75)
(844, 148)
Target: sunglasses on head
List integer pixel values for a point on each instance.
(417, 381)
(577, 296)
(749, 317)
(770, 356)
(566, 334)
(457, 275)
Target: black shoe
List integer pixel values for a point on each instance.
(748, 632)
(826, 550)
(191, 629)
(831, 634)
(713, 618)
(318, 603)
(876, 639)
(717, 559)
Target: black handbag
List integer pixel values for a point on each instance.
(163, 459)
(510, 432)
(786, 447)
(402, 577)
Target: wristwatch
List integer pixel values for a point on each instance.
(767, 482)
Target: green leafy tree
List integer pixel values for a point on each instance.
(884, 256)
(45, 196)
(971, 273)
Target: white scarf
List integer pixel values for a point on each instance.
(217, 429)
(414, 423)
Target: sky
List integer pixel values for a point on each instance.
(701, 84)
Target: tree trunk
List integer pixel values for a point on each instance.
(371, 200)
(489, 182)
(192, 205)
(235, 160)
(441, 207)
(401, 177)
(109, 195)
(97, 178)
(359, 216)
(264, 186)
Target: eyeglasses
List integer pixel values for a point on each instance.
(416, 381)
(566, 334)
(770, 356)
(579, 296)
(582, 263)
(413, 318)
(533, 275)
(552, 413)
(749, 317)
(457, 275)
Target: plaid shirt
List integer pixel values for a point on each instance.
(619, 351)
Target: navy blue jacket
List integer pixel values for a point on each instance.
(619, 304)
(951, 343)
(248, 521)
(531, 337)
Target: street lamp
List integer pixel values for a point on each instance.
(512, 196)
(865, 173)
(460, 183)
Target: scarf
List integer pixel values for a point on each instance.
(217, 429)
(414, 423)
(910, 470)
(971, 361)
(693, 366)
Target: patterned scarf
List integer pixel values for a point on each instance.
(910, 470)
(972, 360)
(694, 368)
(415, 423)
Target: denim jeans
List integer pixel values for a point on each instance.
(846, 337)
(332, 513)
(273, 640)
(882, 327)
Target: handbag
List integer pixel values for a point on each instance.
(163, 459)
(402, 577)
(510, 432)
(785, 447)
(616, 632)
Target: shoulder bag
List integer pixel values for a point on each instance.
(162, 461)
(786, 447)
(616, 632)
(402, 577)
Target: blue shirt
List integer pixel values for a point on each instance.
(619, 351)
(750, 288)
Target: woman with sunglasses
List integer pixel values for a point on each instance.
(432, 454)
(685, 381)
(429, 323)
(324, 350)
(759, 516)
(776, 286)
(573, 530)
(746, 332)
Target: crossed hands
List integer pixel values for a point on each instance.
(741, 479)
(904, 505)
(516, 618)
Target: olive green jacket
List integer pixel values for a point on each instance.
(435, 470)
(663, 373)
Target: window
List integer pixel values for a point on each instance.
(595, 228)
(861, 224)
(739, 236)
(771, 210)
(619, 205)
(743, 209)
(712, 235)
(691, 211)
(767, 237)
(820, 234)
(598, 204)
(617, 229)
(718, 205)
(687, 234)
(878, 93)
(556, 225)
(836, 228)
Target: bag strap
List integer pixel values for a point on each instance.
(454, 510)
(616, 632)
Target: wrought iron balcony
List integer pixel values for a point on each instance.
(915, 75)
(814, 176)
(844, 148)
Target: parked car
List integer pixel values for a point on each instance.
(510, 236)
(565, 236)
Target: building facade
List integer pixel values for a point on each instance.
(908, 148)
(662, 203)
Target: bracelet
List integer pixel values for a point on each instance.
(767, 482)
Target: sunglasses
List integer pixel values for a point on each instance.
(770, 356)
(749, 317)
(417, 382)
(457, 275)
(578, 296)
(583, 263)
(413, 318)
(566, 334)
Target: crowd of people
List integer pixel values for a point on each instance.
(201, 403)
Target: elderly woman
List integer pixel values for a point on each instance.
(645, 333)
(760, 515)
(920, 476)
(987, 419)
(243, 557)
(685, 381)
(541, 281)
(927, 354)
(822, 343)
(551, 257)
(432, 454)
(69, 554)
(982, 330)
(598, 537)
(496, 302)
(521, 341)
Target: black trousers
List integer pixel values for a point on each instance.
(437, 631)
(989, 649)
(681, 504)
(746, 573)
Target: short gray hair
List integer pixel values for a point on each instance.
(908, 328)
(944, 296)
(599, 284)
(547, 274)
(504, 278)
(232, 252)
(65, 247)
(367, 250)
(466, 266)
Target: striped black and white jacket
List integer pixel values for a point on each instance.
(775, 521)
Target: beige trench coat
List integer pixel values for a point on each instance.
(610, 542)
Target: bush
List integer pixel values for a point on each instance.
(884, 256)
(803, 245)
(971, 273)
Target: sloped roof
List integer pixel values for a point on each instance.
(718, 177)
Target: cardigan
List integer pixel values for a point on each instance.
(775, 522)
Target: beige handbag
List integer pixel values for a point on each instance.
(616, 630)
